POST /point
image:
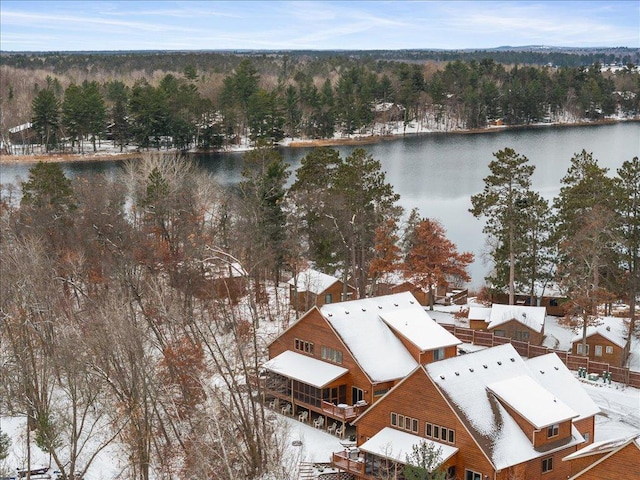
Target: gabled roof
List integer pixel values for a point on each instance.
(479, 313)
(305, 369)
(552, 374)
(419, 328)
(396, 445)
(313, 281)
(532, 401)
(532, 317)
(375, 347)
(603, 450)
(464, 382)
(611, 328)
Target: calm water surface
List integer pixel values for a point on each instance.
(438, 173)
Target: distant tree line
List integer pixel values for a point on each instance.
(316, 100)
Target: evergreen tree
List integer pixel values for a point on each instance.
(423, 463)
(46, 118)
(501, 204)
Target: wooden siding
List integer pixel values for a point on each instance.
(417, 397)
(478, 324)
(512, 328)
(532, 470)
(617, 358)
(303, 301)
(586, 425)
(621, 465)
(314, 328)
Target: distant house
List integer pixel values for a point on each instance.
(486, 411)
(311, 287)
(606, 343)
(397, 283)
(618, 458)
(338, 359)
(517, 322)
(549, 297)
(20, 138)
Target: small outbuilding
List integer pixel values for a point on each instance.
(607, 342)
(313, 288)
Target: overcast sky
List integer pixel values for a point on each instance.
(321, 25)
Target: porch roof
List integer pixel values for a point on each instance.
(305, 369)
(396, 445)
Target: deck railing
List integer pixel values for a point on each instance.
(342, 461)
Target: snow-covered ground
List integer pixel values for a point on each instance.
(619, 417)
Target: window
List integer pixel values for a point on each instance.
(598, 351)
(553, 430)
(499, 333)
(469, 475)
(579, 350)
(405, 423)
(438, 354)
(379, 393)
(521, 336)
(303, 346)
(328, 353)
(346, 296)
(357, 395)
(547, 465)
(328, 298)
(439, 433)
(586, 436)
(609, 350)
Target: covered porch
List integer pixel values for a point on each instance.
(385, 455)
(296, 383)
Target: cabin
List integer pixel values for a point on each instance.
(486, 411)
(329, 362)
(617, 458)
(311, 287)
(229, 280)
(552, 300)
(396, 283)
(607, 342)
(517, 322)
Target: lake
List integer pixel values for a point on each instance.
(438, 173)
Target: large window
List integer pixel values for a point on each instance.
(553, 430)
(403, 422)
(357, 395)
(579, 351)
(440, 433)
(598, 351)
(331, 354)
(470, 475)
(303, 346)
(547, 465)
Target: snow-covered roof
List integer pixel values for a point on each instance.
(532, 317)
(372, 343)
(419, 328)
(21, 128)
(604, 446)
(305, 369)
(313, 281)
(397, 445)
(552, 374)
(464, 381)
(217, 269)
(479, 313)
(611, 328)
(532, 401)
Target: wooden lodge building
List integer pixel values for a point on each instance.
(338, 359)
(313, 288)
(618, 458)
(517, 322)
(395, 282)
(607, 342)
(488, 413)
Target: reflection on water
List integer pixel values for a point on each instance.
(438, 173)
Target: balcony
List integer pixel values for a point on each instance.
(349, 461)
(343, 412)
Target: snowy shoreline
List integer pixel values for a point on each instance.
(111, 153)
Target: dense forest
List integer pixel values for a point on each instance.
(207, 100)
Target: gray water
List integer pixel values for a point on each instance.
(438, 173)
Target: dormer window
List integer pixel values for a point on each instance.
(553, 430)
